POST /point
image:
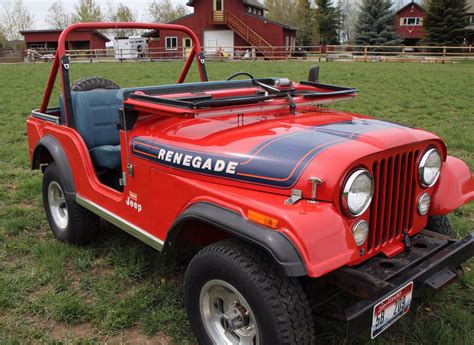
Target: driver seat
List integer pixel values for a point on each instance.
(96, 116)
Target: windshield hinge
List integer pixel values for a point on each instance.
(292, 105)
(296, 195)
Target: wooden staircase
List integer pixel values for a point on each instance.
(250, 36)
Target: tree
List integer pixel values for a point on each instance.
(296, 13)
(347, 14)
(121, 13)
(375, 24)
(14, 17)
(87, 11)
(308, 26)
(3, 40)
(58, 17)
(446, 21)
(163, 11)
(328, 21)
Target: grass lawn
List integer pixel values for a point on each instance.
(118, 290)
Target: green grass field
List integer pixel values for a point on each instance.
(120, 291)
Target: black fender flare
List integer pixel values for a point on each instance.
(275, 243)
(51, 145)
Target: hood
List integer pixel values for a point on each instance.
(271, 153)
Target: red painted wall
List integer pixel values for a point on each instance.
(410, 32)
(200, 21)
(96, 41)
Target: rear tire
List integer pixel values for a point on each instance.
(92, 83)
(69, 222)
(273, 306)
(440, 224)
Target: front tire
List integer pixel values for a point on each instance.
(234, 294)
(440, 224)
(69, 222)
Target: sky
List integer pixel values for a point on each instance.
(39, 8)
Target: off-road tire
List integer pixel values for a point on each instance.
(440, 224)
(92, 83)
(82, 225)
(280, 306)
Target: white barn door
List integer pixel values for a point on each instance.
(215, 39)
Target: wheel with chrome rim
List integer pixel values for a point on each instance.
(227, 315)
(235, 294)
(68, 221)
(57, 205)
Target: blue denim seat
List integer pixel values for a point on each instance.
(96, 116)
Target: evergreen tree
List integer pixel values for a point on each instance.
(445, 22)
(375, 24)
(328, 20)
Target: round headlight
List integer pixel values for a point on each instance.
(360, 232)
(424, 202)
(357, 192)
(430, 167)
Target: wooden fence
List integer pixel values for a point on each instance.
(318, 53)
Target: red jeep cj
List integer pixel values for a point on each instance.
(279, 200)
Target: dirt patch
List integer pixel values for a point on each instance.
(135, 337)
(59, 330)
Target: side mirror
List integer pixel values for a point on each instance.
(314, 74)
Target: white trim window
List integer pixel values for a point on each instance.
(171, 43)
(471, 19)
(411, 21)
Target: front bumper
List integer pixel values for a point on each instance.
(432, 261)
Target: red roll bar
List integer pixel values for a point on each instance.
(196, 52)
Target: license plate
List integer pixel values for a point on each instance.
(391, 309)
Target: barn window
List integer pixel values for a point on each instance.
(411, 21)
(171, 43)
(249, 9)
(218, 5)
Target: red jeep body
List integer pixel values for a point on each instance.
(199, 166)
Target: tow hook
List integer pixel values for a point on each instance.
(235, 318)
(406, 239)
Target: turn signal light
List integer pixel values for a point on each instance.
(262, 219)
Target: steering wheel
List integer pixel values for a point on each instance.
(239, 74)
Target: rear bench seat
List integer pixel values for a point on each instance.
(96, 117)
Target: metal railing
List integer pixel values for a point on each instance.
(315, 53)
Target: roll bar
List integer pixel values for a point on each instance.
(62, 60)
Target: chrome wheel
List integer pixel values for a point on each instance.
(227, 317)
(57, 205)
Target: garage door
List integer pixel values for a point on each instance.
(213, 39)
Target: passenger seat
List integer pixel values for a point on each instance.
(96, 117)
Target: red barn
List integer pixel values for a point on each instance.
(226, 26)
(48, 39)
(409, 23)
